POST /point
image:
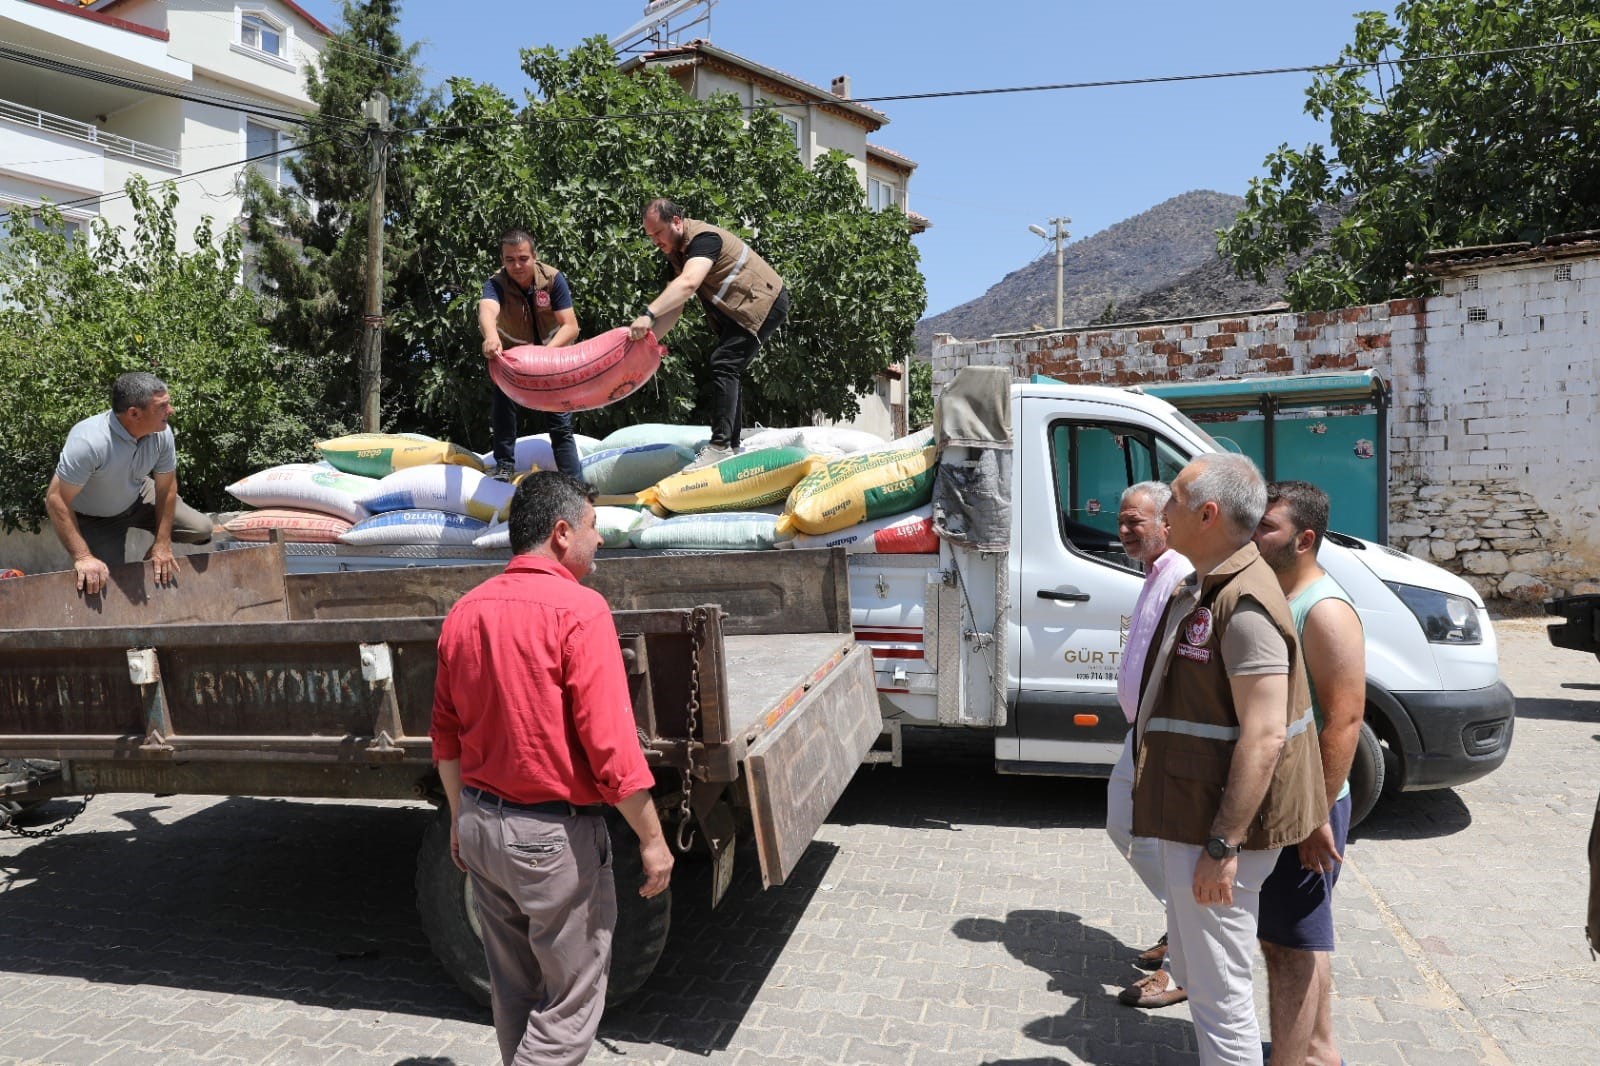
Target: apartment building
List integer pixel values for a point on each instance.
(92, 93)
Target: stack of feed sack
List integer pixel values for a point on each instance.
(302, 502)
(615, 525)
(534, 452)
(858, 488)
(691, 437)
(740, 482)
(619, 471)
(830, 442)
(910, 533)
(433, 504)
(712, 531)
(457, 489)
(415, 526)
(381, 454)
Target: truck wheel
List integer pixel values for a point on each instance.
(444, 902)
(642, 924)
(1366, 775)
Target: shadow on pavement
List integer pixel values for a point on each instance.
(716, 961)
(1080, 961)
(1547, 710)
(949, 780)
(1415, 816)
(313, 903)
(306, 902)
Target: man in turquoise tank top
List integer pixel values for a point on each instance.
(1296, 924)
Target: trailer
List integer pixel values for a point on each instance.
(753, 702)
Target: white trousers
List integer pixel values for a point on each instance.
(1142, 853)
(1211, 949)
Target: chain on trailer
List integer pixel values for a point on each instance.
(697, 620)
(11, 827)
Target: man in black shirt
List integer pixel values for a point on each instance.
(745, 300)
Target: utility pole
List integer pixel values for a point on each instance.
(1061, 236)
(376, 111)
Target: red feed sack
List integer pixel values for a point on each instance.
(581, 377)
(914, 537)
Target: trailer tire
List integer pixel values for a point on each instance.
(1367, 773)
(444, 903)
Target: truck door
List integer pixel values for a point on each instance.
(1075, 586)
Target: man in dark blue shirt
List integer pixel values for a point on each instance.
(526, 302)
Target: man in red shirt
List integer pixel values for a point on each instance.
(533, 735)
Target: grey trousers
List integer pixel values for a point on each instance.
(547, 906)
(108, 537)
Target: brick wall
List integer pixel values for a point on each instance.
(1494, 431)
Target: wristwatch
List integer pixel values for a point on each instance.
(647, 313)
(1218, 848)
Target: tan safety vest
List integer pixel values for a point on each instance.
(741, 285)
(1187, 738)
(521, 321)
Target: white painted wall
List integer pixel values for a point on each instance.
(206, 34)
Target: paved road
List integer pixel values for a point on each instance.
(946, 915)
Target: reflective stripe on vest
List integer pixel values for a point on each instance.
(1207, 731)
(738, 268)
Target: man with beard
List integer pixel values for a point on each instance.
(744, 299)
(1296, 925)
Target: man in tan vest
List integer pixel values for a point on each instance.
(744, 298)
(1227, 768)
(527, 302)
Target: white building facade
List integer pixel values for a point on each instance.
(91, 94)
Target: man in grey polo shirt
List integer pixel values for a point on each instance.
(119, 470)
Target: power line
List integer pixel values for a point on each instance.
(104, 197)
(1166, 79)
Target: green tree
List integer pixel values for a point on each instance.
(310, 239)
(1461, 150)
(575, 164)
(919, 395)
(76, 314)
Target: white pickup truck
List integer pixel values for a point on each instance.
(1024, 642)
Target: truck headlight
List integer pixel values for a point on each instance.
(1445, 618)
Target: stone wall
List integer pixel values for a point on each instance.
(1494, 429)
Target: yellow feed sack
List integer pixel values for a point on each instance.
(737, 483)
(381, 454)
(860, 487)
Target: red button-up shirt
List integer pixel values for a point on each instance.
(531, 694)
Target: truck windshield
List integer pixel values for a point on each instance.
(1194, 427)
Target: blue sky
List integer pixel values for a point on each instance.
(988, 166)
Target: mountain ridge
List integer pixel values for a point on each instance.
(1160, 263)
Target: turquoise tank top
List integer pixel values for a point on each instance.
(1323, 588)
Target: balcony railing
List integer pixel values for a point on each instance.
(127, 147)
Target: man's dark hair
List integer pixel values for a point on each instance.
(512, 237)
(1307, 507)
(542, 499)
(135, 389)
(664, 210)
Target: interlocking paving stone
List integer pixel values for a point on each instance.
(946, 915)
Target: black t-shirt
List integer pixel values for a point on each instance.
(705, 246)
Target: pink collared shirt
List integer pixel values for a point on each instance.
(1163, 576)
